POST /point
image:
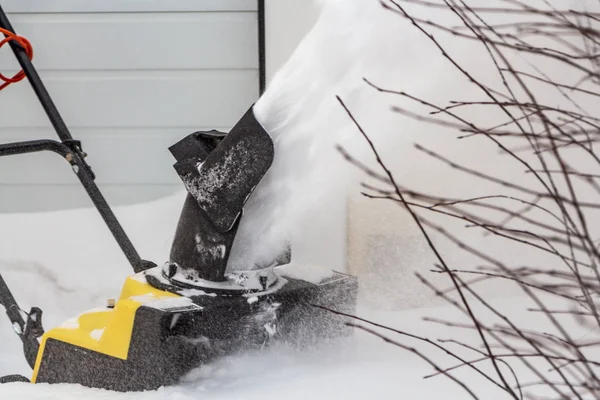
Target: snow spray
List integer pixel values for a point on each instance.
(350, 40)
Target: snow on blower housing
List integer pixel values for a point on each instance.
(171, 319)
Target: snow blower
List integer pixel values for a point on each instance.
(190, 311)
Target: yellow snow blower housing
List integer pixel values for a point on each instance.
(100, 332)
(153, 337)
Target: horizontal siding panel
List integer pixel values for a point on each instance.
(54, 6)
(130, 79)
(117, 156)
(139, 41)
(15, 199)
(205, 98)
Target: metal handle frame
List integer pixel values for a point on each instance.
(68, 148)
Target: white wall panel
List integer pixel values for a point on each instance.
(130, 78)
(134, 99)
(111, 6)
(286, 24)
(140, 41)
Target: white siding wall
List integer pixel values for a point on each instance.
(286, 23)
(130, 79)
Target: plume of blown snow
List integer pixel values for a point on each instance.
(353, 40)
(306, 121)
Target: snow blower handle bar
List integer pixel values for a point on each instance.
(69, 148)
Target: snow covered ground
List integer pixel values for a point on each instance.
(66, 262)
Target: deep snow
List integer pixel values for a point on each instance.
(66, 263)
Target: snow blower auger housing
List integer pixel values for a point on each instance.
(173, 318)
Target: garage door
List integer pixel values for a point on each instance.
(130, 78)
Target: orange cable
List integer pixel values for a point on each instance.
(10, 36)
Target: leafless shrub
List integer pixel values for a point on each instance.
(554, 214)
